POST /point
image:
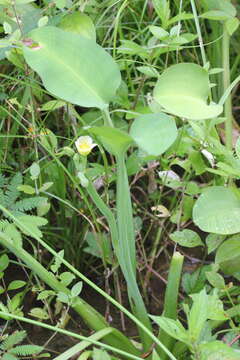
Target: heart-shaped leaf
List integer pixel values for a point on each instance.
(218, 211)
(154, 133)
(73, 67)
(183, 90)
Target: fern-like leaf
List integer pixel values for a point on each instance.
(28, 204)
(2, 180)
(2, 198)
(8, 357)
(12, 192)
(3, 224)
(13, 339)
(26, 350)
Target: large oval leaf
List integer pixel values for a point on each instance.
(218, 211)
(72, 67)
(154, 133)
(183, 90)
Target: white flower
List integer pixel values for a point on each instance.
(84, 145)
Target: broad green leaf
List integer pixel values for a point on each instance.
(172, 327)
(115, 141)
(72, 67)
(79, 23)
(154, 133)
(183, 90)
(187, 238)
(217, 350)
(217, 211)
(228, 255)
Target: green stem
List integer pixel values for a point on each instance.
(90, 340)
(171, 299)
(107, 117)
(200, 39)
(226, 84)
